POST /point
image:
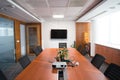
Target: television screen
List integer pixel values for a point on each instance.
(58, 34)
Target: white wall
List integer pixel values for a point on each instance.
(53, 43)
(92, 38)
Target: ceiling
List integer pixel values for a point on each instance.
(105, 8)
(42, 10)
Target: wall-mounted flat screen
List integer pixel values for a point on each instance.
(58, 34)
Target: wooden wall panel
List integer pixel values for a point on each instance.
(112, 55)
(17, 40)
(82, 27)
(116, 57)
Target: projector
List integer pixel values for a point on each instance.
(59, 64)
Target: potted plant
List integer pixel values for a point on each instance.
(74, 45)
(62, 54)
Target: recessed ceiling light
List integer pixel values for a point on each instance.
(58, 16)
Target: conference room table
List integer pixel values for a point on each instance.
(41, 67)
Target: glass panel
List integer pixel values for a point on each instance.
(6, 40)
(32, 38)
(23, 42)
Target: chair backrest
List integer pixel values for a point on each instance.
(37, 50)
(40, 48)
(82, 50)
(62, 45)
(24, 61)
(79, 48)
(2, 76)
(98, 60)
(113, 72)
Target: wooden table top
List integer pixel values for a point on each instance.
(41, 67)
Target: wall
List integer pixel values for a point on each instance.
(53, 43)
(81, 28)
(92, 37)
(17, 40)
(111, 55)
(16, 34)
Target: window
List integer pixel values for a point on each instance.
(115, 28)
(108, 30)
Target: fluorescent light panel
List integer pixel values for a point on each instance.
(10, 1)
(58, 16)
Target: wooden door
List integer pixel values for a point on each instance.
(33, 37)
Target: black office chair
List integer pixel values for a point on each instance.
(82, 50)
(40, 48)
(2, 76)
(113, 72)
(98, 60)
(62, 45)
(79, 48)
(24, 61)
(37, 50)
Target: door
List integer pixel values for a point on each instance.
(33, 37)
(7, 46)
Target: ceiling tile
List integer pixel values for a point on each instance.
(58, 3)
(18, 14)
(3, 3)
(32, 3)
(72, 11)
(37, 3)
(58, 10)
(77, 3)
(43, 12)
